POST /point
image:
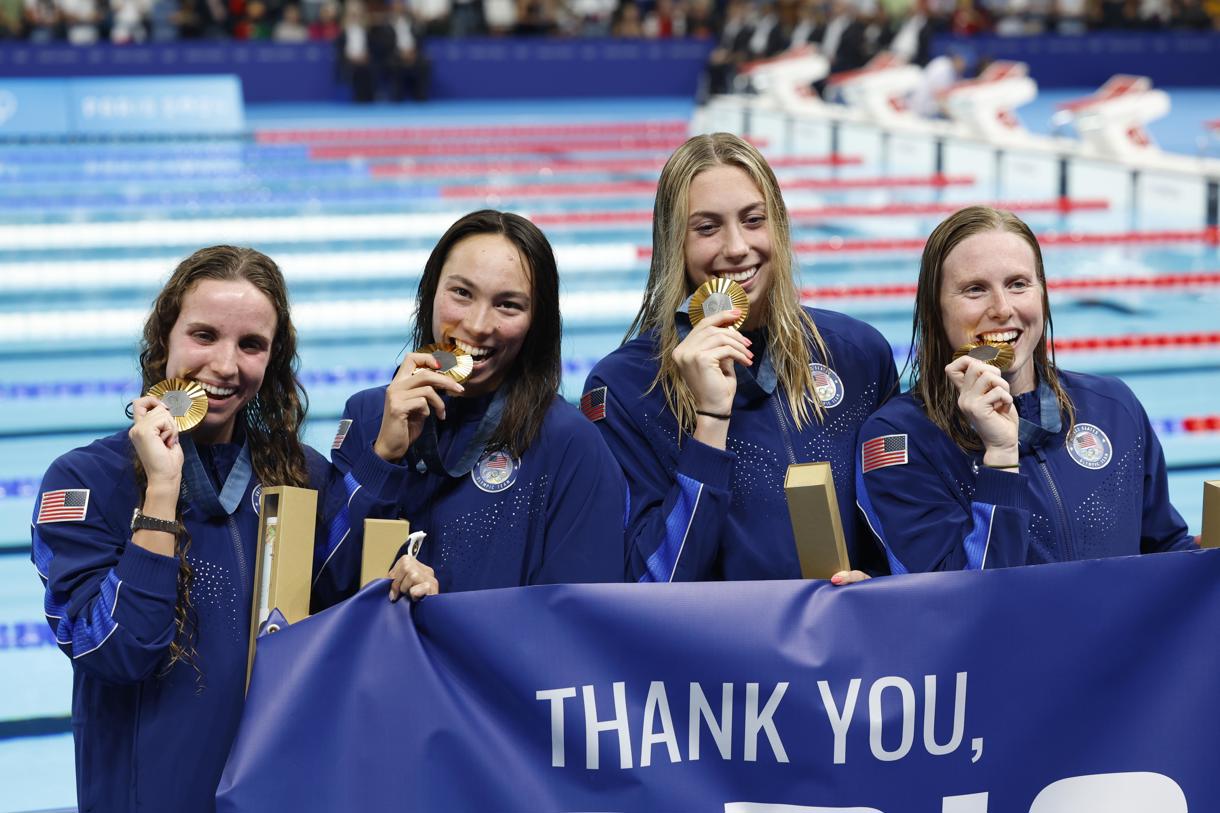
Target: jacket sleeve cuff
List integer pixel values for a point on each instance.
(151, 572)
(379, 476)
(711, 466)
(1001, 488)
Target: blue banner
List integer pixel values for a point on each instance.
(1078, 688)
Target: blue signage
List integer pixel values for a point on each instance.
(33, 107)
(194, 105)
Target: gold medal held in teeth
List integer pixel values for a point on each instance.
(186, 400)
(717, 295)
(455, 362)
(997, 354)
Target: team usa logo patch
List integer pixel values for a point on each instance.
(65, 505)
(887, 450)
(495, 471)
(827, 384)
(341, 435)
(593, 404)
(1089, 446)
(256, 495)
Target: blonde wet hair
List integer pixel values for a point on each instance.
(792, 337)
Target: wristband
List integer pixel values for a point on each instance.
(715, 415)
(1003, 468)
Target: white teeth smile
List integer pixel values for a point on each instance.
(740, 276)
(1000, 336)
(219, 392)
(474, 352)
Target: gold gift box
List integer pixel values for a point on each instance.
(383, 538)
(1211, 514)
(283, 562)
(814, 511)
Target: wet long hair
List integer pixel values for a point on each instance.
(533, 380)
(273, 417)
(790, 328)
(930, 348)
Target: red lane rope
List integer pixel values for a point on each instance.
(1201, 423)
(1166, 281)
(568, 165)
(547, 146)
(1144, 341)
(1211, 235)
(364, 134)
(887, 209)
(649, 187)
(817, 213)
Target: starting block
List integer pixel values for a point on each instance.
(786, 78)
(984, 106)
(1112, 119)
(879, 89)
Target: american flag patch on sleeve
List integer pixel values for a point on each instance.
(887, 450)
(65, 505)
(344, 425)
(593, 404)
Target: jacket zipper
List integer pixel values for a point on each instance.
(783, 426)
(242, 570)
(1065, 535)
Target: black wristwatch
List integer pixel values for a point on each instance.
(140, 522)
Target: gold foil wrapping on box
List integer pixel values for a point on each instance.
(816, 524)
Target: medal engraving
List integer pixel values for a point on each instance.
(717, 296)
(186, 401)
(455, 363)
(997, 354)
(178, 402)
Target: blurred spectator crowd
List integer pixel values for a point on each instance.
(747, 28)
(378, 41)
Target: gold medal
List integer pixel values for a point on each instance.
(717, 295)
(186, 400)
(455, 362)
(997, 354)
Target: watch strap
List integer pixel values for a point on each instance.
(142, 522)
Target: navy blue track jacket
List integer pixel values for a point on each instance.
(147, 741)
(700, 513)
(555, 515)
(1098, 490)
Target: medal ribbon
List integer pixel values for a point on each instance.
(1029, 434)
(426, 445)
(199, 485)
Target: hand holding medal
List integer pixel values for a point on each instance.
(985, 399)
(705, 358)
(176, 405)
(415, 393)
